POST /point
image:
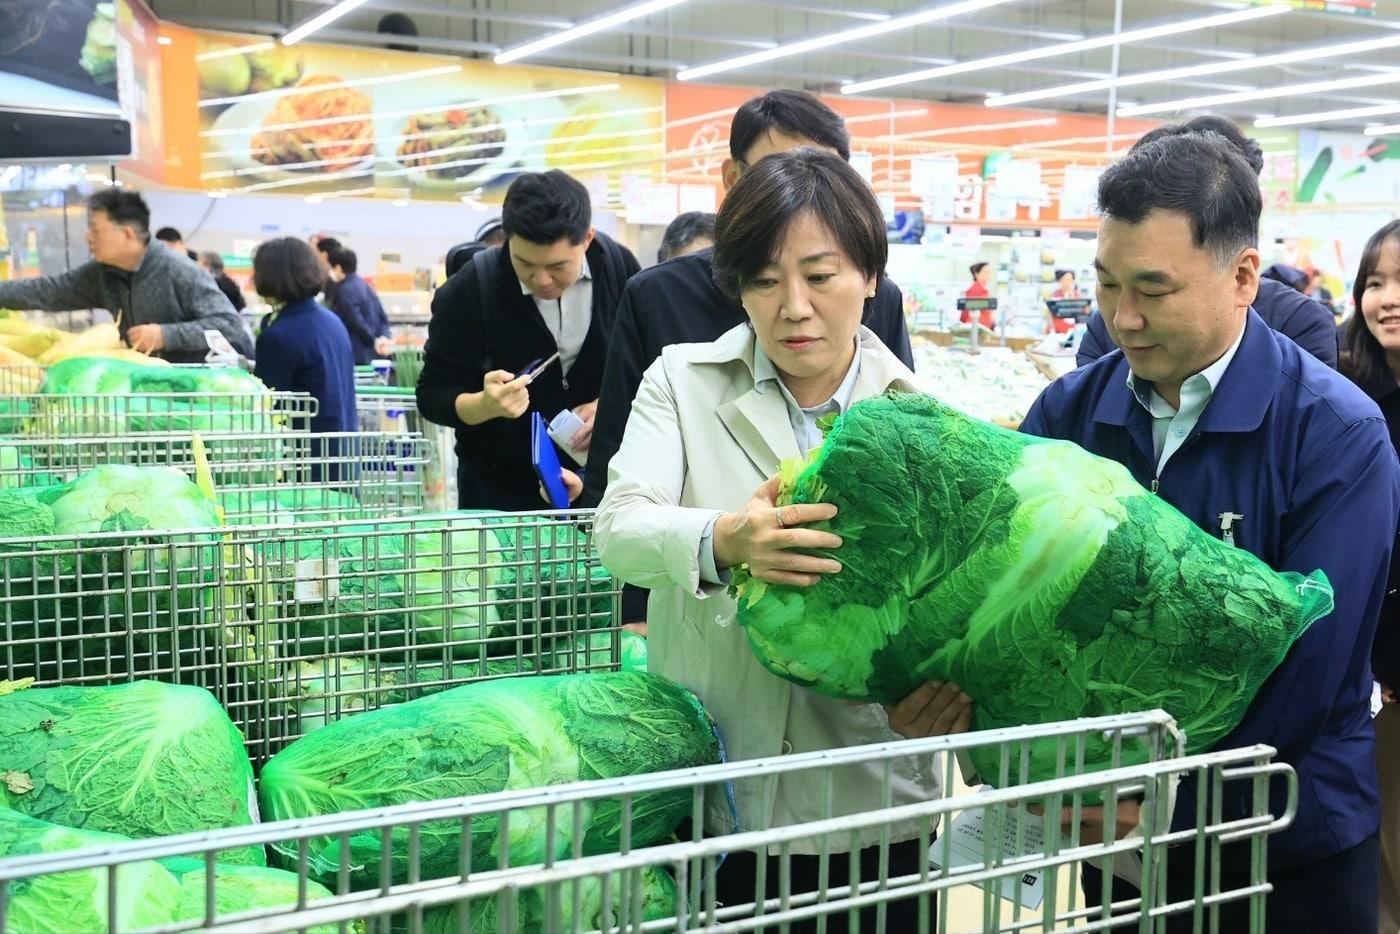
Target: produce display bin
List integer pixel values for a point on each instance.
(291, 625)
(56, 416)
(613, 891)
(261, 478)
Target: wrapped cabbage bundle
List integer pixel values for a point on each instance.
(647, 895)
(516, 733)
(160, 398)
(1041, 578)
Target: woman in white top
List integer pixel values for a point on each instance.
(800, 241)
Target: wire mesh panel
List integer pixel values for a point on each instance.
(395, 409)
(261, 478)
(20, 379)
(54, 416)
(294, 626)
(673, 886)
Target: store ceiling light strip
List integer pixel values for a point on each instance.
(1263, 94)
(1208, 70)
(1069, 48)
(334, 85)
(1327, 116)
(921, 18)
(601, 24)
(1387, 130)
(461, 105)
(1075, 141)
(321, 20)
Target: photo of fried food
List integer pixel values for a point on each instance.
(319, 128)
(452, 144)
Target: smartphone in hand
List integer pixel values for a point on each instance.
(534, 368)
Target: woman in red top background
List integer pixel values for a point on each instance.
(1067, 289)
(981, 278)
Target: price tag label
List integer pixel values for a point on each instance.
(317, 580)
(967, 844)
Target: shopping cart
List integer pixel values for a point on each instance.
(261, 478)
(291, 625)
(395, 409)
(614, 891)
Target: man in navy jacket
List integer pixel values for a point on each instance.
(1222, 416)
(356, 304)
(1308, 322)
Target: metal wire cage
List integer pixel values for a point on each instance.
(261, 478)
(672, 886)
(293, 625)
(395, 409)
(57, 416)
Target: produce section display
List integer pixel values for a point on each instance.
(996, 384)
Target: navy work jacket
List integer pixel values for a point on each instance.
(1305, 457)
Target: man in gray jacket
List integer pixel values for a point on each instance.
(163, 302)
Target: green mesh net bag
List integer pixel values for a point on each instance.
(516, 733)
(212, 399)
(1040, 578)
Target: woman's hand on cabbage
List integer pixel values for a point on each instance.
(766, 537)
(936, 708)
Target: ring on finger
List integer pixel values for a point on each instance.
(782, 523)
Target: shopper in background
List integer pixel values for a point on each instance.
(175, 241)
(982, 274)
(488, 235)
(1282, 308)
(800, 244)
(214, 263)
(553, 288)
(303, 347)
(324, 247)
(1229, 421)
(689, 233)
(1371, 357)
(1319, 293)
(163, 303)
(677, 302)
(358, 307)
(491, 233)
(1065, 287)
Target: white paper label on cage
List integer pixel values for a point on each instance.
(220, 350)
(965, 848)
(318, 580)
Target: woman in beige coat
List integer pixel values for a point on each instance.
(800, 240)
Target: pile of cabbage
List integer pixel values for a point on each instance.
(1040, 578)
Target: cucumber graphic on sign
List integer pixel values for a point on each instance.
(1307, 191)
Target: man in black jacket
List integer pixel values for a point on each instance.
(1284, 309)
(552, 288)
(678, 302)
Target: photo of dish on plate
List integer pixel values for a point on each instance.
(320, 128)
(455, 146)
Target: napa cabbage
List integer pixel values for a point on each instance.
(633, 897)
(142, 759)
(1040, 578)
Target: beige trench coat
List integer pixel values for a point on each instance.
(699, 441)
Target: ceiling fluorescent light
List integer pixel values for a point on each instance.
(321, 20)
(968, 129)
(1324, 116)
(1210, 70)
(1069, 48)
(899, 23)
(601, 24)
(1261, 94)
(1387, 130)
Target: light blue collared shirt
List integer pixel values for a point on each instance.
(1171, 427)
(805, 429)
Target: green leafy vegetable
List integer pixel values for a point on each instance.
(1043, 580)
(508, 734)
(194, 403)
(76, 901)
(241, 888)
(594, 651)
(143, 759)
(648, 897)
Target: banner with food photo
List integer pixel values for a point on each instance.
(320, 120)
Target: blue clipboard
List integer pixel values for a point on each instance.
(547, 463)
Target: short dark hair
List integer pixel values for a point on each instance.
(1197, 174)
(213, 260)
(762, 205)
(1061, 273)
(545, 207)
(491, 227)
(683, 231)
(285, 270)
(169, 235)
(1211, 123)
(796, 113)
(124, 208)
(975, 268)
(346, 259)
(1362, 357)
(327, 245)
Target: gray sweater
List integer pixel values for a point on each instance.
(168, 289)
